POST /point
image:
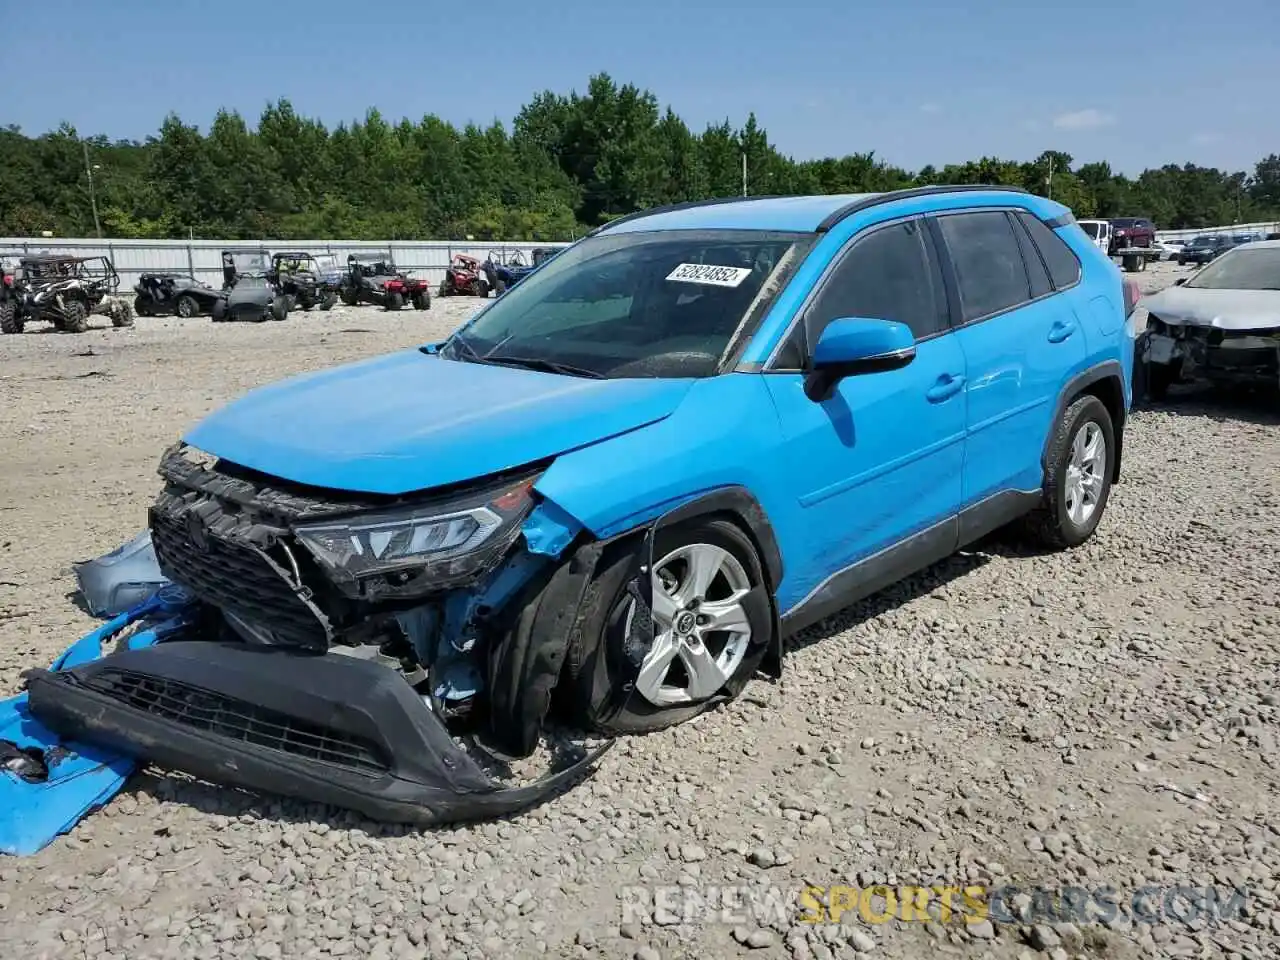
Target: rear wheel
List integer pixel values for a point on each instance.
(75, 316)
(187, 307)
(482, 290)
(711, 628)
(141, 307)
(327, 300)
(121, 314)
(10, 321)
(394, 301)
(422, 301)
(219, 312)
(349, 296)
(499, 287)
(1077, 480)
(280, 308)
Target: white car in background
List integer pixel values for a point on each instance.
(1221, 324)
(1169, 249)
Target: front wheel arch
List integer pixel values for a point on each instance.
(1106, 382)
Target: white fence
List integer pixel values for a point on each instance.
(1260, 228)
(202, 259)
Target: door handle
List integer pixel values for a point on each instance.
(1061, 329)
(948, 386)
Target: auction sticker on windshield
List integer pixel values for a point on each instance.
(709, 273)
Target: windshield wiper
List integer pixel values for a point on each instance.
(460, 345)
(551, 366)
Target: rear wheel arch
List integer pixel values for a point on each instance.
(1106, 382)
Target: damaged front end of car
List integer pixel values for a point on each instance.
(375, 652)
(1185, 351)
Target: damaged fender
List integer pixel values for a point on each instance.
(47, 783)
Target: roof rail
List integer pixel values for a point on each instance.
(684, 205)
(877, 199)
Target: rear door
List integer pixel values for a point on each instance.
(1019, 340)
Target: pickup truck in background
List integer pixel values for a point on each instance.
(1129, 232)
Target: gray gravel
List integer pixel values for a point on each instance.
(1102, 717)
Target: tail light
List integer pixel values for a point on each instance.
(1132, 294)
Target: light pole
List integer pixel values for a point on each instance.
(93, 197)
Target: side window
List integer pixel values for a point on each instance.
(988, 262)
(1036, 271)
(1064, 268)
(890, 274)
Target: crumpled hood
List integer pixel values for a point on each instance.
(410, 421)
(1224, 309)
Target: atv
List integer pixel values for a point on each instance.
(464, 277)
(543, 254)
(402, 289)
(64, 291)
(251, 289)
(306, 282)
(366, 280)
(12, 295)
(163, 294)
(505, 271)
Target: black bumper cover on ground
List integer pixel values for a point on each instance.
(327, 728)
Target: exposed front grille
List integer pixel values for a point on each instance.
(233, 719)
(235, 577)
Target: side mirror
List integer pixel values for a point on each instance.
(854, 346)
(1180, 281)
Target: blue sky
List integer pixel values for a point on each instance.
(917, 81)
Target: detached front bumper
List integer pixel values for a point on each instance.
(320, 727)
(1248, 356)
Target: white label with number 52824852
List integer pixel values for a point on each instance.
(709, 273)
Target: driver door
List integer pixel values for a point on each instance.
(876, 471)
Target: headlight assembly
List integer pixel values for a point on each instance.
(442, 540)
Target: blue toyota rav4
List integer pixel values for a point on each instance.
(610, 495)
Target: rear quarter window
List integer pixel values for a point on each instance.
(1060, 259)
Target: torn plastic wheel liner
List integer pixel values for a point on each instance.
(319, 727)
(48, 783)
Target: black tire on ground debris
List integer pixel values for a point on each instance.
(76, 316)
(10, 322)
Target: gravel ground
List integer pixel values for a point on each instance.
(1105, 717)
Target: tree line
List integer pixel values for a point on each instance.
(565, 164)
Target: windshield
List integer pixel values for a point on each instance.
(250, 264)
(1124, 222)
(1092, 229)
(1205, 241)
(1257, 268)
(653, 304)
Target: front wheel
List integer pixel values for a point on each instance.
(141, 307)
(711, 626)
(328, 300)
(1159, 378)
(75, 317)
(349, 296)
(394, 301)
(280, 308)
(1077, 480)
(422, 301)
(187, 306)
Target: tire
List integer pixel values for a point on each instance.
(482, 290)
(187, 307)
(601, 670)
(349, 296)
(10, 320)
(1159, 378)
(422, 301)
(444, 288)
(121, 315)
(279, 308)
(499, 287)
(394, 301)
(219, 311)
(1052, 524)
(1182, 261)
(327, 301)
(76, 317)
(141, 307)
